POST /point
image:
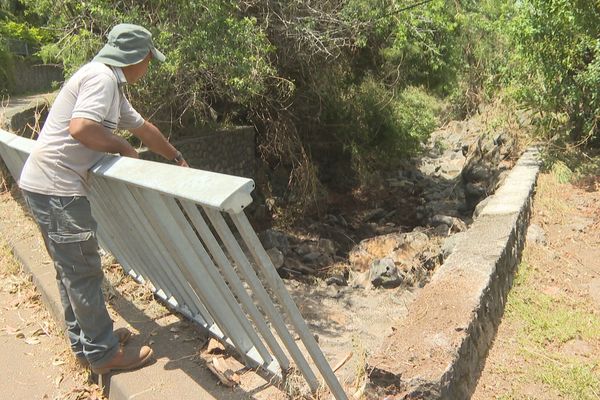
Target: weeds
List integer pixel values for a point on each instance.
(8, 264)
(548, 319)
(572, 379)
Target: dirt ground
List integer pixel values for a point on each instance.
(548, 343)
(35, 358)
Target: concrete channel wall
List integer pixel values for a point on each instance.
(439, 351)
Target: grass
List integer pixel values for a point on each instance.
(572, 379)
(8, 264)
(548, 319)
(545, 323)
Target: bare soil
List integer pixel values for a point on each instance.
(36, 361)
(548, 344)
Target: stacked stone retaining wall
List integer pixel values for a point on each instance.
(31, 76)
(228, 151)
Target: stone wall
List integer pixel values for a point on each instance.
(228, 151)
(439, 350)
(33, 76)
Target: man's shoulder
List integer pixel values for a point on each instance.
(95, 70)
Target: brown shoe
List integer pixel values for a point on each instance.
(123, 334)
(125, 359)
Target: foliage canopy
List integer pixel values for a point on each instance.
(362, 81)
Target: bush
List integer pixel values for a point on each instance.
(6, 71)
(385, 128)
(556, 65)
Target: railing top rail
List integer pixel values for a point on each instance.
(222, 192)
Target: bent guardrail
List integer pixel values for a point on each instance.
(167, 225)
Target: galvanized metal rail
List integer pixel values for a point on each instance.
(168, 226)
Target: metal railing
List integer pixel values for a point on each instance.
(169, 226)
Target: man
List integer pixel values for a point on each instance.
(76, 135)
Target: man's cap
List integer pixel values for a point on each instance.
(128, 44)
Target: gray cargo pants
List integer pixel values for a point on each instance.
(69, 233)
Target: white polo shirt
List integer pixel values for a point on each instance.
(59, 164)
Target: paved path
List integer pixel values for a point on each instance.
(12, 105)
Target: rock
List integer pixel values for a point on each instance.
(535, 234)
(306, 248)
(375, 214)
(442, 230)
(311, 257)
(384, 273)
(430, 260)
(339, 280)
(360, 280)
(327, 246)
(450, 243)
(478, 173)
(442, 219)
(481, 205)
(458, 225)
(276, 257)
(272, 238)
(324, 260)
(416, 239)
(297, 266)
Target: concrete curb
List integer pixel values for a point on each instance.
(439, 351)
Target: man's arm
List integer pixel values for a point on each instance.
(151, 137)
(96, 137)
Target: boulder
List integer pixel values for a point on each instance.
(272, 238)
(276, 257)
(384, 273)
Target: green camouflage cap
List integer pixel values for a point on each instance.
(128, 44)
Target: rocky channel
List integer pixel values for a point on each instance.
(461, 166)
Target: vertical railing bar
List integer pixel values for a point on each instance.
(270, 273)
(234, 281)
(157, 229)
(118, 192)
(200, 317)
(158, 249)
(261, 294)
(105, 242)
(216, 277)
(104, 232)
(211, 298)
(118, 231)
(128, 216)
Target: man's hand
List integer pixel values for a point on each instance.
(96, 137)
(151, 136)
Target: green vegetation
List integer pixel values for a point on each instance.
(545, 323)
(357, 83)
(557, 64)
(15, 26)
